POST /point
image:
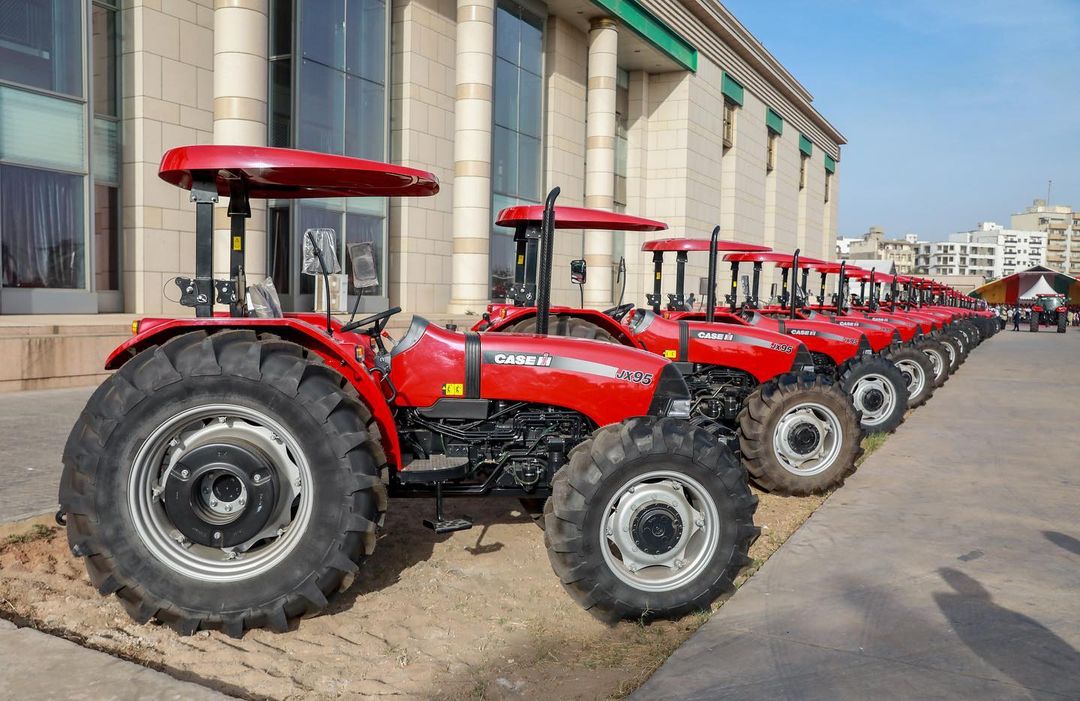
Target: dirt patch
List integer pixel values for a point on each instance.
(474, 615)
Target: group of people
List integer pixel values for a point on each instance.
(1018, 315)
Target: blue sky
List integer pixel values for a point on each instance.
(955, 111)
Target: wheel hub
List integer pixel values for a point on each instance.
(657, 529)
(807, 439)
(220, 495)
(804, 438)
(873, 396)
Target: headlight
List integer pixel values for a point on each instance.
(679, 409)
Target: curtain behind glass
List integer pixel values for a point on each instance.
(41, 228)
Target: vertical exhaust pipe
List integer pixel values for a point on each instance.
(710, 302)
(547, 240)
(794, 285)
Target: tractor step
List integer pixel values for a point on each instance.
(437, 468)
(441, 524)
(448, 525)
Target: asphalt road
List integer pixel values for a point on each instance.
(33, 429)
(948, 567)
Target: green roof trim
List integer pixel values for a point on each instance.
(774, 121)
(732, 90)
(651, 29)
(830, 164)
(806, 145)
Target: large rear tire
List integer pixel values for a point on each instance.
(223, 481)
(1033, 323)
(1061, 323)
(650, 517)
(918, 373)
(878, 391)
(799, 434)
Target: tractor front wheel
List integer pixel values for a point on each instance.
(936, 351)
(952, 351)
(918, 373)
(799, 434)
(222, 481)
(1061, 323)
(878, 391)
(650, 517)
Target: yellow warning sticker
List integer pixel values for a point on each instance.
(658, 276)
(453, 389)
(521, 260)
(237, 245)
(671, 354)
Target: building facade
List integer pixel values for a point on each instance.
(874, 246)
(665, 109)
(1061, 225)
(958, 256)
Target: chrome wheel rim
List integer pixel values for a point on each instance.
(807, 439)
(951, 352)
(659, 531)
(161, 464)
(913, 375)
(937, 363)
(875, 396)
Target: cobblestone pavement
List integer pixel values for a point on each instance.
(33, 429)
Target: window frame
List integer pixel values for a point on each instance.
(728, 132)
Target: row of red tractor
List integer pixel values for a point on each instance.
(238, 465)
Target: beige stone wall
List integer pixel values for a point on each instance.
(168, 100)
(421, 135)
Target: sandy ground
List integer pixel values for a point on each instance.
(474, 615)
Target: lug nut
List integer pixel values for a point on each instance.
(242, 502)
(184, 473)
(213, 502)
(217, 535)
(228, 507)
(257, 478)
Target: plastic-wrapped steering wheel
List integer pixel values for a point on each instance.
(617, 313)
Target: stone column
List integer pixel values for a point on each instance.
(472, 155)
(240, 108)
(600, 154)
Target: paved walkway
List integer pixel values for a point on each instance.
(39, 667)
(33, 429)
(948, 567)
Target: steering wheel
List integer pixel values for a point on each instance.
(617, 313)
(379, 320)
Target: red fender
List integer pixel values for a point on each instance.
(502, 316)
(339, 352)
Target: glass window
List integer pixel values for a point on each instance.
(518, 125)
(41, 44)
(729, 124)
(106, 238)
(105, 46)
(340, 107)
(42, 130)
(770, 153)
(42, 243)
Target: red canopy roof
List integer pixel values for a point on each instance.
(766, 257)
(827, 267)
(677, 244)
(291, 173)
(578, 218)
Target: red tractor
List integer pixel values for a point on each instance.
(797, 432)
(1050, 309)
(877, 386)
(238, 465)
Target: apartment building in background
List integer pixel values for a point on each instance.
(875, 246)
(668, 109)
(1061, 226)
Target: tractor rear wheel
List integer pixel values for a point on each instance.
(1061, 322)
(565, 325)
(939, 358)
(799, 434)
(223, 481)
(650, 517)
(878, 390)
(918, 373)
